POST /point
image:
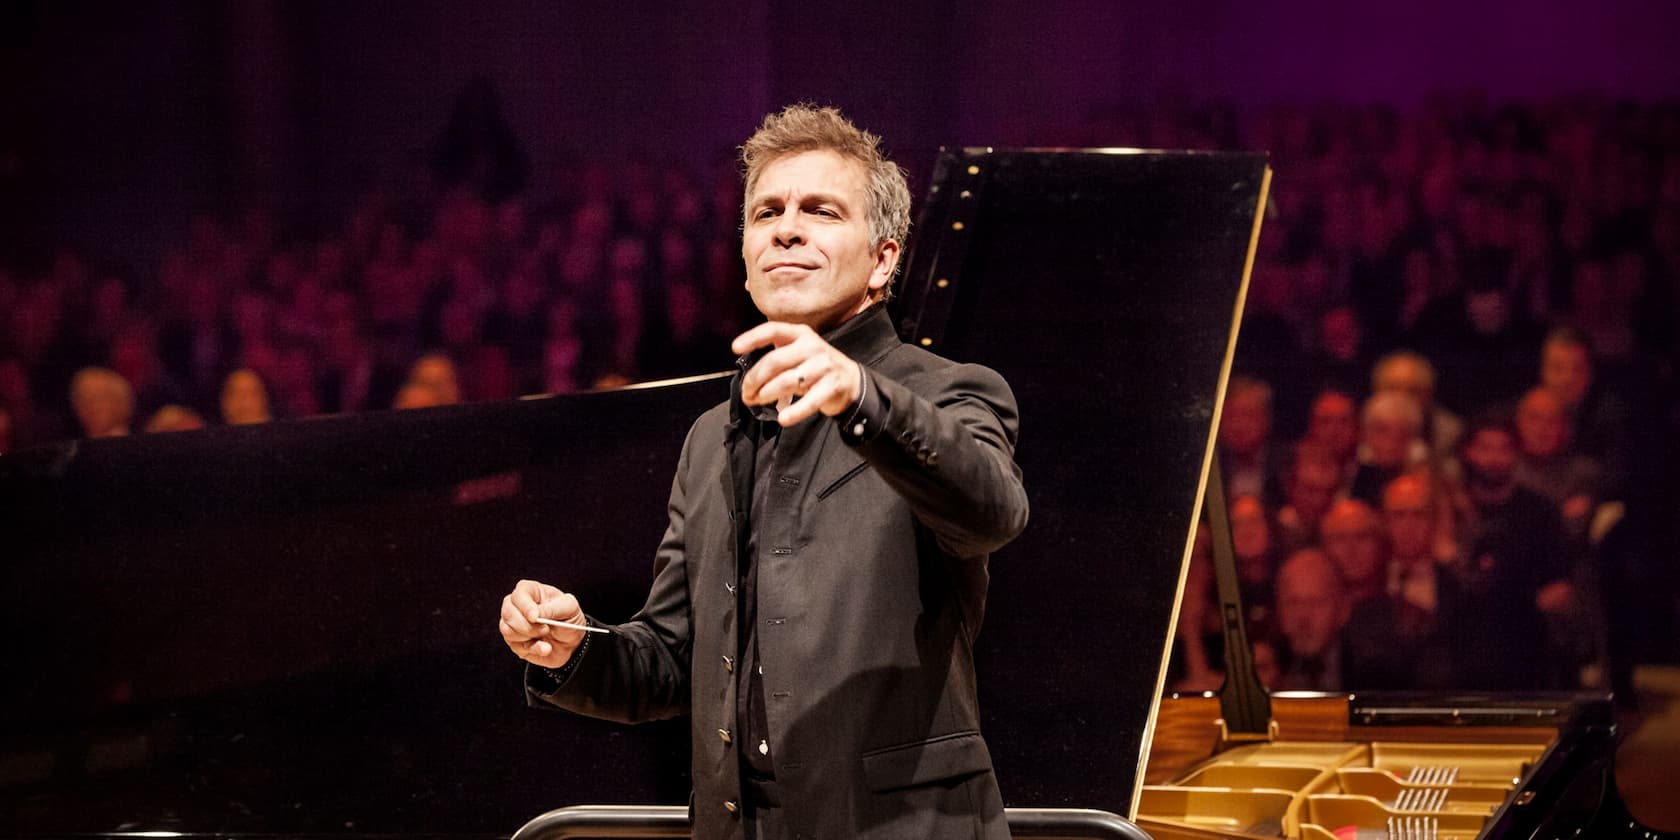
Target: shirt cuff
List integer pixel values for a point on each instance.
(863, 422)
(543, 680)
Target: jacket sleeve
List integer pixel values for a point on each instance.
(638, 671)
(945, 441)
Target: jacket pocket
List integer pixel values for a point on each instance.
(923, 762)
(848, 475)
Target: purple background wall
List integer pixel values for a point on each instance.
(131, 116)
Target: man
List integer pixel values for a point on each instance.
(818, 590)
(1312, 611)
(1548, 465)
(1598, 417)
(1391, 442)
(1245, 431)
(1354, 541)
(1411, 374)
(1310, 488)
(1516, 567)
(1333, 423)
(1402, 640)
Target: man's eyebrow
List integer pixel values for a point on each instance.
(805, 199)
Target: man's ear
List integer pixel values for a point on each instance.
(886, 262)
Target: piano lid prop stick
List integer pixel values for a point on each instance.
(570, 626)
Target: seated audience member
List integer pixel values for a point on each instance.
(245, 399)
(1515, 569)
(437, 372)
(1391, 442)
(1598, 418)
(1404, 640)
(1251, 543)
(1310, 487)
(1571, 482)
(1311, 612)
(174, 418)
(1546, 464)
(1333, 424)
(1411, 374)
(102, 401)
(1354, 540)
(1245, 431)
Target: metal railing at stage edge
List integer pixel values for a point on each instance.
(651, 822)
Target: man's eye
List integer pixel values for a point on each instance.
(765, 213)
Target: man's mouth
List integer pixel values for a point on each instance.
(780, 265)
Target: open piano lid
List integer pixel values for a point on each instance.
(284, 629)
(1106, 286)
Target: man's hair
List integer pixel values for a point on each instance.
(807, 128)
(1399, 357)
(1394, 405)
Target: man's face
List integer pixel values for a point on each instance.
(1310, 609)
(1389, 439)
(1566, 371)
(1492, 457)
(244, 399)
(1411, 522)
(806, 241)
(1313, 487)
(1333, 423)
(100, 409)
(1246, 423)
(1542, 424)
(1352, 537)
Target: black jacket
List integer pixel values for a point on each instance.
(871, 588)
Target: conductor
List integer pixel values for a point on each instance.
(819, 587)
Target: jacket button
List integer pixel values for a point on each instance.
(732, 807)
(729, 664)
(932, 458)
(725, 736)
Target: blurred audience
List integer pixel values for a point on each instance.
(1466, 259)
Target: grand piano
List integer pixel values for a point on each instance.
(288, 629)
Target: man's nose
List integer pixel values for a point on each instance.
(789, 230)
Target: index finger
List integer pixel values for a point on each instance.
(524, 604)
(769, 332)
